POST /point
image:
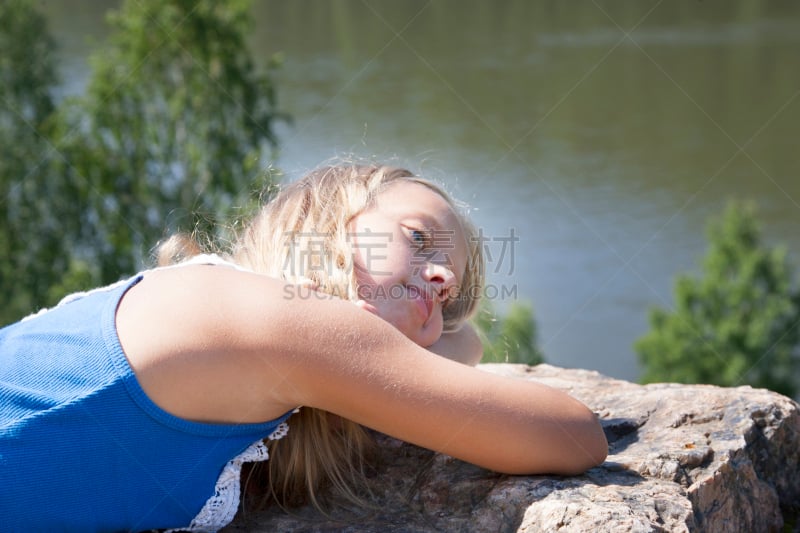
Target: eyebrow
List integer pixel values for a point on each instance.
(426, 218)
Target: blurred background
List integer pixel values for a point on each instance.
(592, 140)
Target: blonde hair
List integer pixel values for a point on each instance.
(302, 235)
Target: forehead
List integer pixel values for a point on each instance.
(407, 200)
(410, 196)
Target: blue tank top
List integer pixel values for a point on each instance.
(82, 447)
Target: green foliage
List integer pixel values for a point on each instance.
(736, 324)
(176, 122)
(33, 233)
(508, 339)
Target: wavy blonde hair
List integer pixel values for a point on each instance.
(301, 235)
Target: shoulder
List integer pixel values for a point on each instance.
(194, 337)
(212, 297)
(212, 343)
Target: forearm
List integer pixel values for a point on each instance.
(508, 425)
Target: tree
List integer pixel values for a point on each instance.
(176, 120)
(737, 323)
(35, 206)
(508, 339)
(174, 132)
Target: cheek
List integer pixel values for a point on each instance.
(370, 268)
(375, 289)
(364, 282)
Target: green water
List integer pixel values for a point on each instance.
(603, 134)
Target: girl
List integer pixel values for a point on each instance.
(134, 406)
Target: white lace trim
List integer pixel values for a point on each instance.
(220, 508)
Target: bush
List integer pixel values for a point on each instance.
(737, 323)
(35, 204)
(175, 130)
(508, 339)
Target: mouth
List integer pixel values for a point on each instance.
(423, 300)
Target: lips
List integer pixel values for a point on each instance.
(423, 301)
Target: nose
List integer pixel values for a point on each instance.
(441, 279)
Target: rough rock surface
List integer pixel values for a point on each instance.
(681, 458)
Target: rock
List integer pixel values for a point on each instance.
(681, 458)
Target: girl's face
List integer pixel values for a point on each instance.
(410, 253)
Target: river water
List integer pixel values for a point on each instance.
(592, 139)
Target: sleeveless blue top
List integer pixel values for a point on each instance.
(82, 447)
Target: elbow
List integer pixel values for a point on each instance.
(572, 455)
(589, 448)
(600, 447)
(580, 446)
(600, 454)
(593, 452)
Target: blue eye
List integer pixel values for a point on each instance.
(418, 237)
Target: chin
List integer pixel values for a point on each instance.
(427, 344)
(427, 338)
(422, 336)
(418, 337)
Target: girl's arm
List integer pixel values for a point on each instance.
(214, 344)
(364, 370)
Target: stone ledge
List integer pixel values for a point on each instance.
(681, 458)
